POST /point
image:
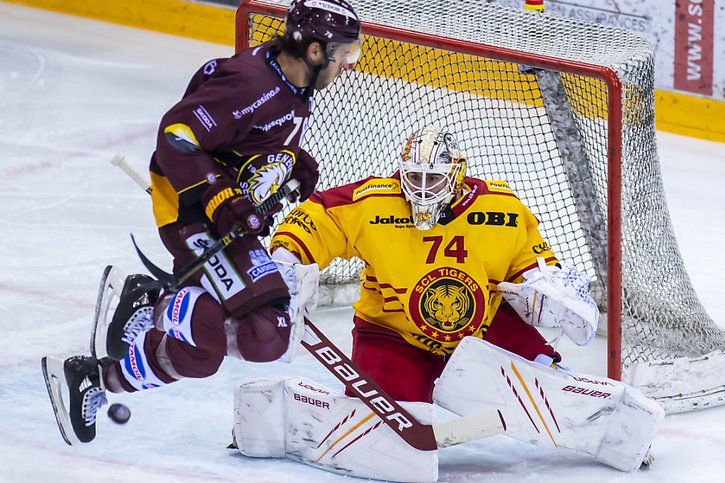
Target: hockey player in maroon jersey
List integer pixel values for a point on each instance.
(230, 143)
(440, 250)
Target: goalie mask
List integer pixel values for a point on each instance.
(432, 169)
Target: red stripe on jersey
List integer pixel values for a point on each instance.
(533, 265)
(384, 285)
(299, 242)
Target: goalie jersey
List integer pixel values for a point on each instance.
(433, 287)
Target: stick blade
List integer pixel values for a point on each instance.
(469, 428)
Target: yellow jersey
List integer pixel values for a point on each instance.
(433, 287)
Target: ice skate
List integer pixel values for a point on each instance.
(81, 376)
(134, 297)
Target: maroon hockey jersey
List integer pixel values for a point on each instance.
(240, 119)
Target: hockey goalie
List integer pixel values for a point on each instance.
(457, 277)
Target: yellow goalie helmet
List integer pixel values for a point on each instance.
(432, 169)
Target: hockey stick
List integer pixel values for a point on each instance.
(424, 437)
(172, 281)
(119, 161)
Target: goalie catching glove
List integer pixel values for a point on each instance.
(551, 296)
(226, 206)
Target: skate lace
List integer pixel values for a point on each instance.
(141, 321)
(95, 398)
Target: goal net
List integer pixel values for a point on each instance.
(563, 111)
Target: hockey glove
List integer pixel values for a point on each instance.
(306, 171)
(226, 206)
(555, 297)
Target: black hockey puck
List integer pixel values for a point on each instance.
(119, 413)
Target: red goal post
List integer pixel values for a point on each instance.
(584, 111)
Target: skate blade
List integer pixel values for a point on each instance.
(54, 375)
(109, 291)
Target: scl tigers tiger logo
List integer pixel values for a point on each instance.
(447, 305)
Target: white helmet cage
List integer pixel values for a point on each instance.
(432, 169)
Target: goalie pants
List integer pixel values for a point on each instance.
(249, 321)
(408, 373)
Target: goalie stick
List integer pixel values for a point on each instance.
(424, 437)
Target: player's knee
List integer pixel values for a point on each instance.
(181, 360)
(192, 316)
(260, 336)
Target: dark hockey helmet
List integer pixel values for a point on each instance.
(326, 21)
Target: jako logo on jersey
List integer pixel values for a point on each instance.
(391, 220)
(205, 118)
(256, 104)
(495, 218)
(277, 122)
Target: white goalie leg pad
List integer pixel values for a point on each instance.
(683, 383)
(604, 418)
(259, 418)
(303, 282)
(555, 297)
(309, 423)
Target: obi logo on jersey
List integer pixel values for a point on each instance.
(447, 304)
(495, 218)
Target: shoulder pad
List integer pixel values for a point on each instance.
(377, 186)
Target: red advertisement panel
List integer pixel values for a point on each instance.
(694, 45)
